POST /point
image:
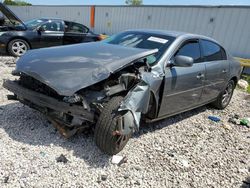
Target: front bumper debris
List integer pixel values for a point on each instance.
(46, 104)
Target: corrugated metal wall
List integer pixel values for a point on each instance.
(80, 14)
(229, 25)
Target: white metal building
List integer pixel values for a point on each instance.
(230, 25)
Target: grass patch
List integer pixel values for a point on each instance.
(248, 89)
(247, 78)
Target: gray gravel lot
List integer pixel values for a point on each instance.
(187, 150)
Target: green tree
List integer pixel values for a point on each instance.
(133, 2)
(16, 3)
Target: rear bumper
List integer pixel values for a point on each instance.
(46, 104)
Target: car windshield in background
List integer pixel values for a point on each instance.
(32, 24)
(144, 41)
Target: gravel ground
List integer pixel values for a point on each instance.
(187, 150)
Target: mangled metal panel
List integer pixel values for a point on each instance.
(137, 100)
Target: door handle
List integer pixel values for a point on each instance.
(224, 71)
(200, 76)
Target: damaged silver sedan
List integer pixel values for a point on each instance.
(111, 86)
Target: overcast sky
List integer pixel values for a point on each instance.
(146, 2)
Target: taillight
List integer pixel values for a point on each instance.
(101, 37)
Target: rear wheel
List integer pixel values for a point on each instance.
(225, 97)
(107, 130)
(18, 47)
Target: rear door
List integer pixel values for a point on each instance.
(51, 33)
(217, 69)
(74, 33)
(183, 85)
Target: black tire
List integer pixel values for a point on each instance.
(220, 103)
(18, 47)
(106, 126)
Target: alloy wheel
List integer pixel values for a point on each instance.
(121, 140)
(19, 48)
(227, 94)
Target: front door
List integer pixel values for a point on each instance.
(183, 85)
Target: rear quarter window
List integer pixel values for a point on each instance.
(212, 51)
(76, 28)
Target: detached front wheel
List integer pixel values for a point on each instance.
(109, 127)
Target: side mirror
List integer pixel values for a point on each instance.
(183, 61)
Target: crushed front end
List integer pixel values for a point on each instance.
(65, 113)
(77, 112)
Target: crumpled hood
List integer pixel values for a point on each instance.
(68, 69)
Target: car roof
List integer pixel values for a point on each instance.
(175, 34)
(159, 32)
(49, 18)
(58, 19)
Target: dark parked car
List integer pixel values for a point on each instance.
(16, 37)
(114, 84)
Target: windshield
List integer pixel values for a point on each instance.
(32, 24)
(144, 41)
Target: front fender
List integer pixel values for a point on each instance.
(137, 100)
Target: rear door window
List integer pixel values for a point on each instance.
(190, 49)
(77, 28)
(212, 51)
